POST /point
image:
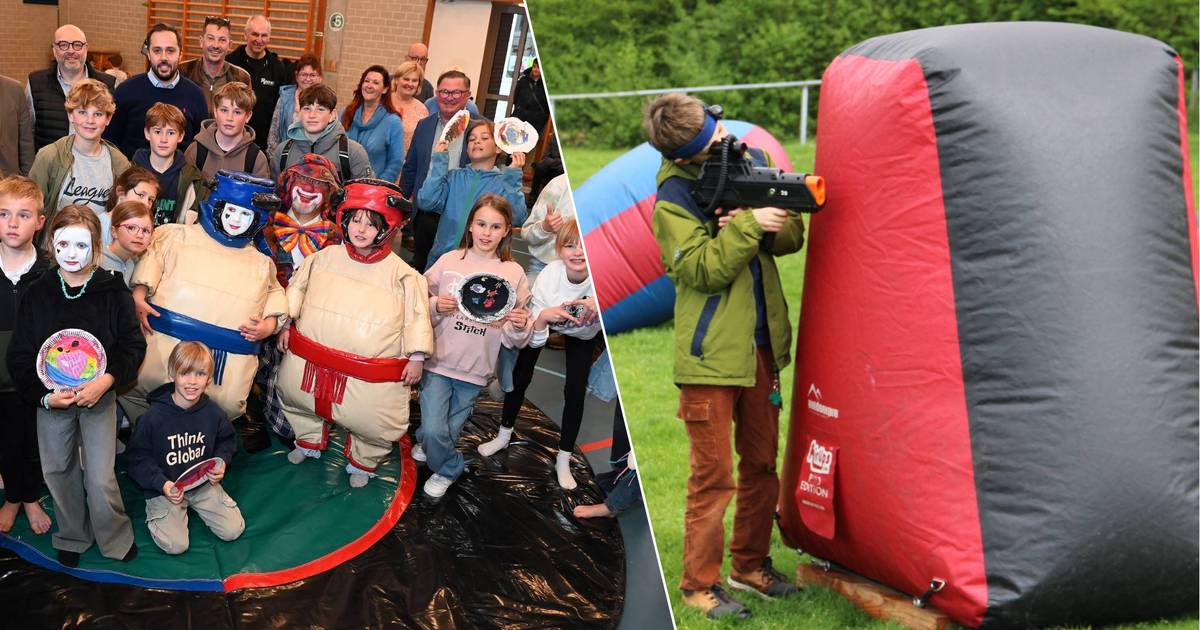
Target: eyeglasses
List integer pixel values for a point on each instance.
(136, 230)
(416, 58)
(65, 46)
(452, 93)
(222, 22)
(308, 75)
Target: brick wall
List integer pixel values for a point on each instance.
(376, 32)
(25, 37)
(121, 27)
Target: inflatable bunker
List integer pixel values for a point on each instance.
(996, 381)
(614, 207)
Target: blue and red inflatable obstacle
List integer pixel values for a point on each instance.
(996, 381)
(614, 208)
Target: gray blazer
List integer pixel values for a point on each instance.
(16, 129)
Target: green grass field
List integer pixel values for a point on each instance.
(642, 359)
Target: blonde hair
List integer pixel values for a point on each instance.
(21, 187)
(672, 120)
(189, 357)
(90, 93)
(568, 233)
(405, 68)
(238, 93)
(75, 215)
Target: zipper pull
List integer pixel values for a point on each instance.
(775, 397)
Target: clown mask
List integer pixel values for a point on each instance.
(308, 199)
(236, 220)
(73, 247)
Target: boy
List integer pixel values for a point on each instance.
(726, 364)
(317, 130)
(80, 168)
(225, 143)
(22, 263)
(180, 185)
(181, 429)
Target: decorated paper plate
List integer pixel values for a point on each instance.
(514, 134)
(70, 359)
(456, 126)
(197, 475)
(485, 297)
(576, 310)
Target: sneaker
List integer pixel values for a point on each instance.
(766, 582)
(715, 603)
(418, 452)
(437, 485)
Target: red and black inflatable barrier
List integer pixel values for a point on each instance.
(996, 380)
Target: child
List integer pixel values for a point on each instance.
(20, 218)
(135, 184)
(180, 185)
(77, 426)
(466, 351)
(80, 168)
(181, 429)
(129, 236)
(359, 338)
(452, 193)
(732, 337)
(224, 142)
(553, 208)
(563, 298)
(317, 130)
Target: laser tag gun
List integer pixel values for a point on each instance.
(729, 180)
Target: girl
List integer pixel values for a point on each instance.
(360, 337)
(562, 298)
(87, 501)
(451, 193)
(135, 184)
(466, 351)
(380, 132)
(406, 83)
(129, 235)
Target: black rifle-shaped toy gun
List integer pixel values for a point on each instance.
(728, 180)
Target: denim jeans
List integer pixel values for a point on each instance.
(446, 403)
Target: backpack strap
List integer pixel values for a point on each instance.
(201, 155)
(252, 152)
(287, 148)
(344, 156)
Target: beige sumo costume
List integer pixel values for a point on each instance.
(206, 280)
(357, 319)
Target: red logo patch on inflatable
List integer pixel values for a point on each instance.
(814, 493)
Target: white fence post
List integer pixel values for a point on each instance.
(804, 116)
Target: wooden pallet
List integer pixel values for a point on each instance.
(875, 599)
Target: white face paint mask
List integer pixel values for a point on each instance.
(236, 219)
(306, 201)
(73, 247)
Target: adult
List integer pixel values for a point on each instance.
(453, 94)
(162, 84)
(308, 72)
(210, 70)
(267, 71)
(406, 83)
(16, 129)
(47, 89)
(529, 99)
(371, 121)
(418, 53)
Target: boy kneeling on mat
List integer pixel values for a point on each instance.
(184, 429)
(727, 361)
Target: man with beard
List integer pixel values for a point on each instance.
(267, 71)
(210, 70)
(162, 83)
(47, 89)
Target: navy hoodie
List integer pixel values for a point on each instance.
(168, 440)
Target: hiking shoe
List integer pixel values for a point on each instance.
(715, 603)
(437, 485)
(764, 581)
(418, 452)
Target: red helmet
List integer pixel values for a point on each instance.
(374, 195)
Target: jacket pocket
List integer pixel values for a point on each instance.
(702, 324)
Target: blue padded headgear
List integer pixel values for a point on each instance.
(245, 190)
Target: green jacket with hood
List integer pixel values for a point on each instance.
(714, 288)
(52, 165)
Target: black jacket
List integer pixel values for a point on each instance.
(169, 440)
(105, 309)
(268, 74)
(10, 298)
(529, 101)
(49, 103)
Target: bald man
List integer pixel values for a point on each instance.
(419, 53)
(46, 90)
(267, 71)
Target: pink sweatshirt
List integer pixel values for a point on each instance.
(464, 349)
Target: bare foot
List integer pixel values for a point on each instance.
(39, 521)
(8, 516)
(592, 511)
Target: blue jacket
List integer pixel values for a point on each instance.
(416, 163)
(453, 194)
(286, 108)
(168, 440)
(383, 138)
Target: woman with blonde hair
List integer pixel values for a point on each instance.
(406, 83)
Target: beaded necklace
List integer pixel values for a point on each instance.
(63, 281)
